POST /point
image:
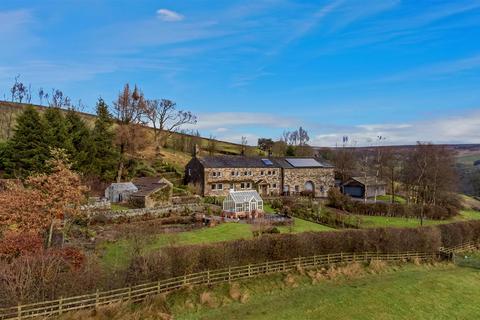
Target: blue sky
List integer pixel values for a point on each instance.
(406, 70)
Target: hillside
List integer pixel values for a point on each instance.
(10, 110)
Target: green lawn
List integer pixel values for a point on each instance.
(411, 292)
(304, 226)
(117, 253)
(388, 198)
(376, 222)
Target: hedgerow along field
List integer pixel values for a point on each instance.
(116, 254)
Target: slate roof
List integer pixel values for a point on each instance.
(369, 181)
(123, 186)
(146, 185)
(224, 161)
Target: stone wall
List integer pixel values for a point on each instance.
(266, 180)
(183, 209)
(322, 178)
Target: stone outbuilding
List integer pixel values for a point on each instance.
(247, 203)
(120, 191)
(152, 192)
(356, 187)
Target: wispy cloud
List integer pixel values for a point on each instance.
(461, 128)
(16, 31)
(214, 121)
(169, 15)
(436, 70)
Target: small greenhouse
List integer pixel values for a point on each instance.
(243, 202)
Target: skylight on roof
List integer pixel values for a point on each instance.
(267, 162)
(299, 163)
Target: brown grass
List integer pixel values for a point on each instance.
(377, 266)
(207, 299)
(235, 292)
(291, 281)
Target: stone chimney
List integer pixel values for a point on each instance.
(196, 150)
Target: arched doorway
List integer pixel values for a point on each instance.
(309, 187)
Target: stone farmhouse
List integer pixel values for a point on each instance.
(217, 175)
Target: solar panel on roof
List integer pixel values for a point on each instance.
(267, 162)
(299, 163)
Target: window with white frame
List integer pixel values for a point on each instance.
(219, 186)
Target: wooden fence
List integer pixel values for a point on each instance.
(138, 293)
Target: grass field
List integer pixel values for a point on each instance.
(117, 253)
(441, 291)
(376, 222)
(413, 292)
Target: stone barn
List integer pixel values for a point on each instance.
(152, 192)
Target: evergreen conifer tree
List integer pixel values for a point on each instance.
(28, 147)
(105, 155)
(80, 139)
(56, 133)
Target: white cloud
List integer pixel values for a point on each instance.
(216, 121)
(454, 129)
(169, 15)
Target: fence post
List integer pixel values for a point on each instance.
(249, 271)
(97, 299)
(341, 256)
(19, 311)
(129, 292)
(229, 274)
(266, 267)
(208, 276)
(315, 260)
(328, 258)
(354, 257)
(60, 306)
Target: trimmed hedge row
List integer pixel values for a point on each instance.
(176, 261)
(433, 212)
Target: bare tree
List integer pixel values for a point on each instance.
(19, 91)
(59, 100)
(303, 136)
(212, 145)
(166, 119)
(244, 143)
(344, 159)
(128, 110)
(390, 169)
(41, 95)
(378, 164)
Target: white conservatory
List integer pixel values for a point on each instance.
(243, 202)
